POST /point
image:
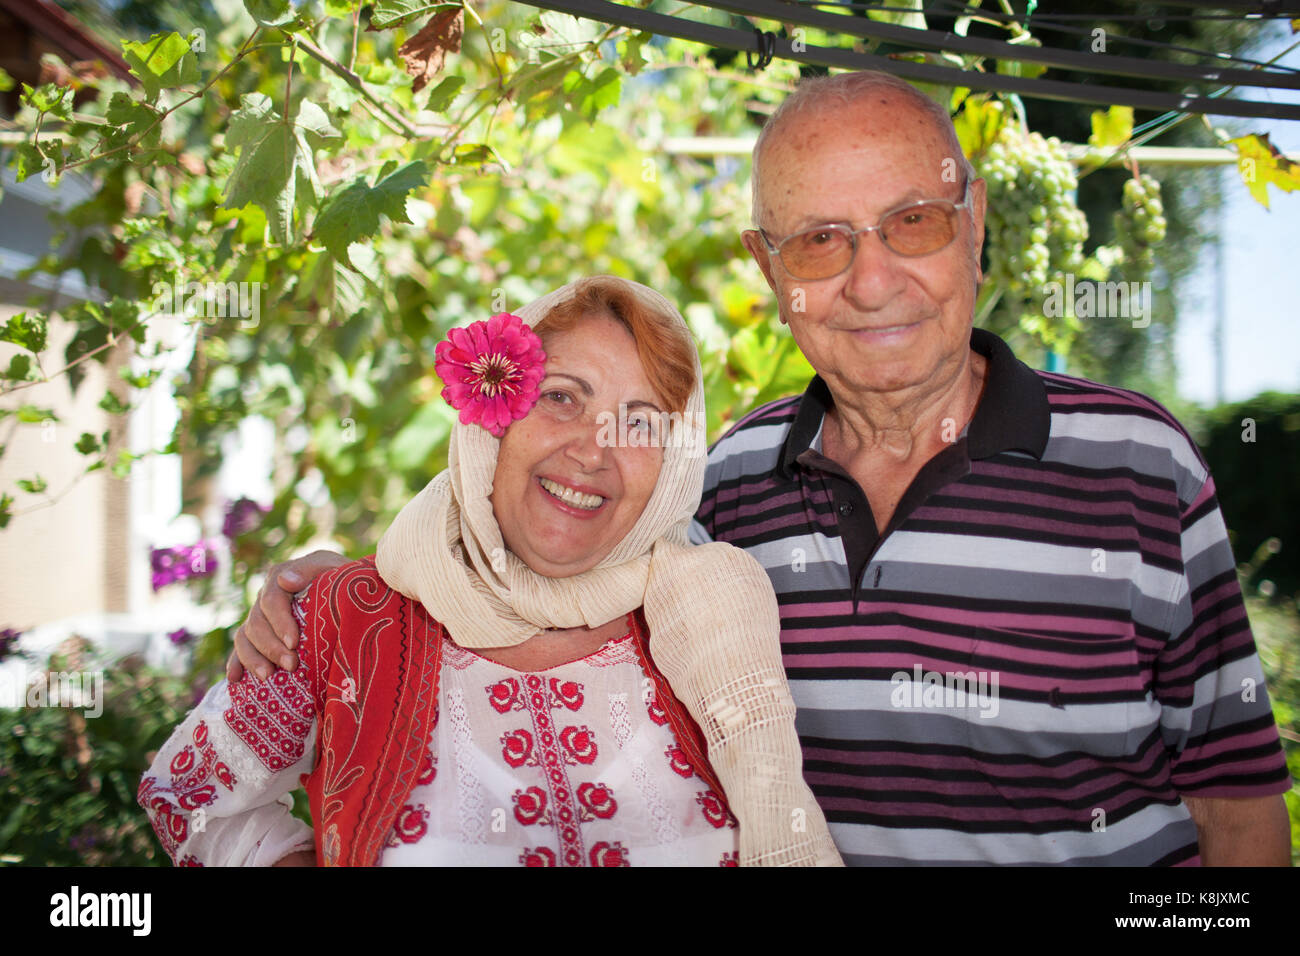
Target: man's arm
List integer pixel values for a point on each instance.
(267, 638)
(1245, 831)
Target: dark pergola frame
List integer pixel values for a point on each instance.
(765, 45)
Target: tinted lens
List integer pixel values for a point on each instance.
(817, 253)
(917, 230)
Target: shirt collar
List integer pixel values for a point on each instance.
(1013, 413)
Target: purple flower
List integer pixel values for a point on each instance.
(176, 564)
(181, 636)
(9, 641)
(242, 516)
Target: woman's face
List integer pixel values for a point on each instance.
(564, 494)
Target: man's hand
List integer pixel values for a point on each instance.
(1235, 831)
(270, 633)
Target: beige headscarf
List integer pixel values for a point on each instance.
(712, 614)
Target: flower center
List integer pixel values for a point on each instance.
(497, 373)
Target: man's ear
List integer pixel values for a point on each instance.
(758, 249)
(979, 204)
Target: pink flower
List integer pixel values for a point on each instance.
(491, 371)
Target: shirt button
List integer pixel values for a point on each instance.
(846, 509)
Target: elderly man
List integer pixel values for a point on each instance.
(1010, 615)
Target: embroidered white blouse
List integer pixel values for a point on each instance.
(576, 765)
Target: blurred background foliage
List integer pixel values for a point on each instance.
(385, 210)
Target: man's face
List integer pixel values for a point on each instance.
(888, 324)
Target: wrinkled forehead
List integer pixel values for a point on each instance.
(880, 139)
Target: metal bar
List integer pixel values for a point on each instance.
(727, 38)
(1077, 153)
(1111, 64)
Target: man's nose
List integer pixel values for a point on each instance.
(874, 276)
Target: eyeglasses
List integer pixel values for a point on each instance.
(918, 229)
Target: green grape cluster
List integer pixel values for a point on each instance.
(1035, 230)
(1140, 223)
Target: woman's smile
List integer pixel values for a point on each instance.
(572, 498)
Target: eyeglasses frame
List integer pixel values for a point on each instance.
(843, 227)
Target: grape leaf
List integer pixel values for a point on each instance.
(164, 61)
(1112, 127)
(425, 53)
(978, 124)
(444, 93)
(1261, 164)
(20, 369)
(30, 159)
(352, 214)
(33, 486)
(26, 331)
(49, 98)
(275, 170)
(391, 13)
(270, 13)
(127, 118)
(32, 415)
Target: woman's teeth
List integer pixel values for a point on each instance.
(570, 497)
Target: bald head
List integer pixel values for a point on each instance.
(865, 90)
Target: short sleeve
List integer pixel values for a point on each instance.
(1215, 715)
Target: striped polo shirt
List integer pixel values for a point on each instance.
(1045, 647)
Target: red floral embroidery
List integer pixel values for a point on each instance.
(730, 859)
(677, 760)
(517, 747)
(504, 695)
(609, 854)
(540, 856)
(657, 714)
(190, 789)
(183, 762)
(224, 776)
(429, 770)
(566, 693)
(530, 806)
(273, 717)
(598, 799)
(714, 810)
(410, 826)
(198, 797)
(580, 744)
(188, 860)
(178, 827)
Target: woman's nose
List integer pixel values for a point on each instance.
(586, 446)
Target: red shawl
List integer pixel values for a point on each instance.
(373, 663)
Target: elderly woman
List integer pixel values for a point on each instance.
(535, 668)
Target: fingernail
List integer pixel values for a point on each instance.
(293, 577)
(288, 640)
(264, 673)
(287, 662)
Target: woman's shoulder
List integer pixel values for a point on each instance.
(350, 593)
